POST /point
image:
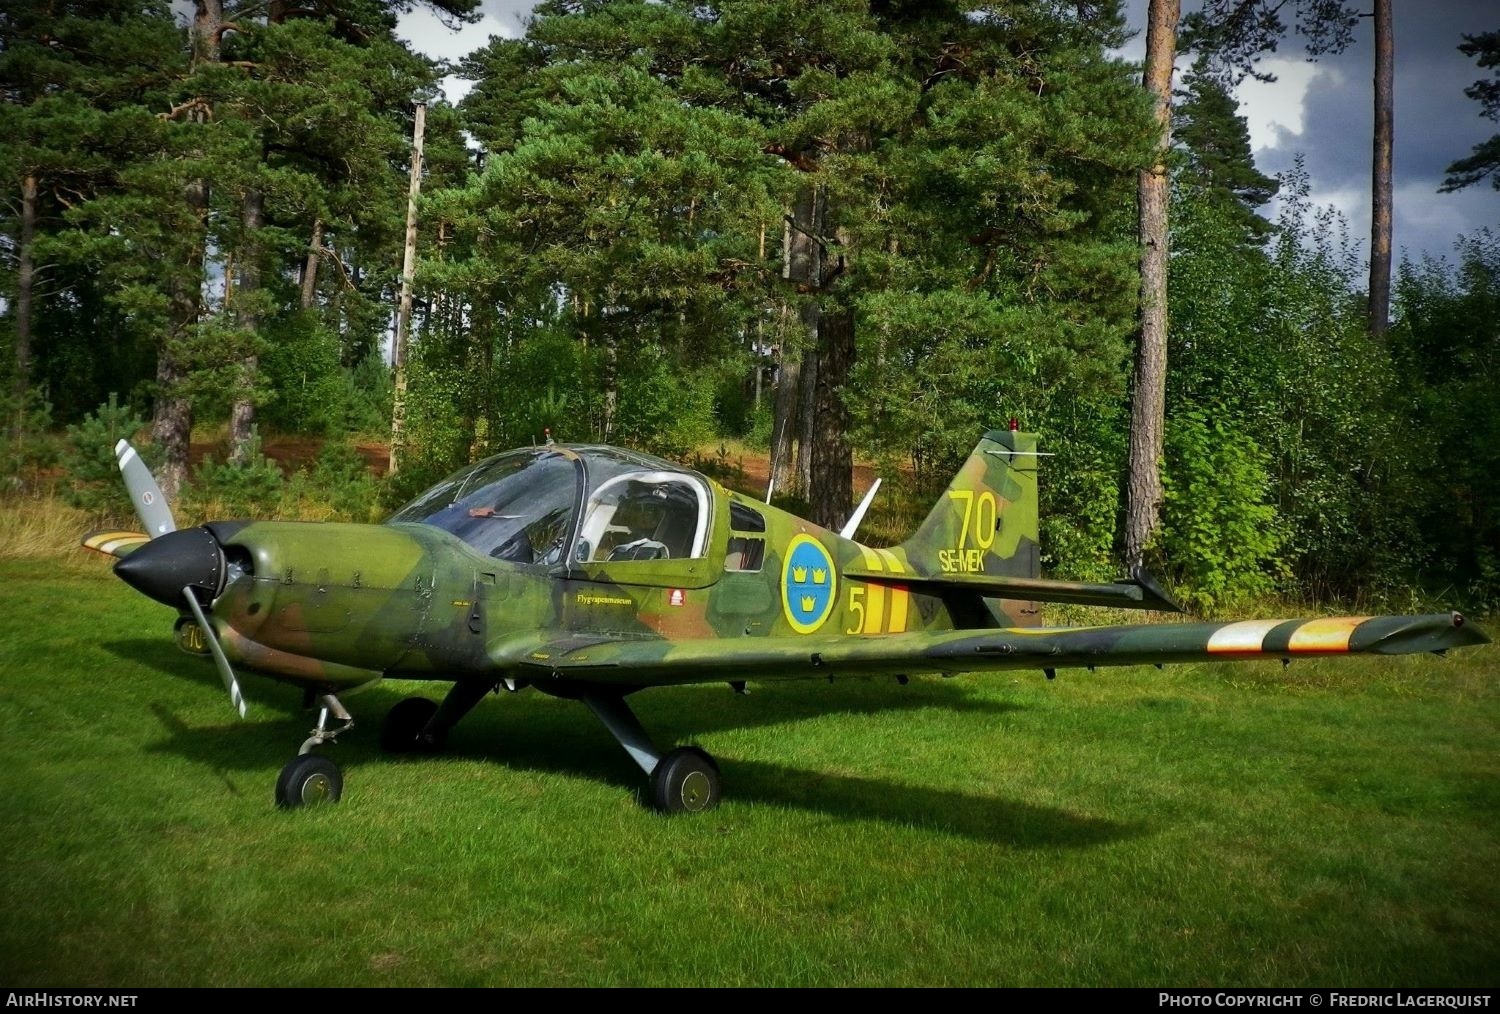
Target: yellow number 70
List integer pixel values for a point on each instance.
(984, 526)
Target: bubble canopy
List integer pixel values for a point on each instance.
(559, 503)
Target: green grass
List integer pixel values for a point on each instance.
(1335, 823)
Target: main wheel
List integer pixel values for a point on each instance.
(308, 780)
(685, 781)
(404, 723)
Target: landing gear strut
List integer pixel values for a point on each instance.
(309, 778)
(684, 780)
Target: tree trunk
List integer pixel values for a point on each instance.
(242, 415)
(610, 342)
(784, 424)
(408, 272)
(802, 265)
(25, 283)
(807, 419)
(310, 267)
(208, 29)
(1148, 390)
(172, 414)
(757, 357)
(831, 483)
(1380, 173)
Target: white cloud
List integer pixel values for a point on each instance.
(422, 29)
(1273, 110)
(425, 33)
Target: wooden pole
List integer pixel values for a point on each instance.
(408, 272)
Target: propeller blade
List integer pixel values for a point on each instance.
(227, 674)
(150, 506)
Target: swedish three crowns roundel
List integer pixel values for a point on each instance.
(807, 584)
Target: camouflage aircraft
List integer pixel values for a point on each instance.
(592, 572)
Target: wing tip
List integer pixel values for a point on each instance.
(1473, 634)
(113, 542)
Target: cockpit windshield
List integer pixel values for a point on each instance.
(522, 507)
(516, 506)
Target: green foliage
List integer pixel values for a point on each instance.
(310, 387)
(247, 489)
(539, 387)
(663, 409)
(91, 470)
(1275, 346)
(936, 370)
(615, 262)
(367, 396)
(1221, 540)
(762, 423)
(312, 392)
(338, 483)
(25, 443)
(1446, 348)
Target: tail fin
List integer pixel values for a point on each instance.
(986, 522)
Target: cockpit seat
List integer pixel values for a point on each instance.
(640, 549)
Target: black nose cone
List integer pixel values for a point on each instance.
(188, 558)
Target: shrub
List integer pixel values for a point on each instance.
(251, 488)
(92, 472)
(1219, 538)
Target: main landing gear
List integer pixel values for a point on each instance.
(310, 779)
(417, 725)
(684, 780)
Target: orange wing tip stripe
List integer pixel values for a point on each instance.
(110, 542)
(1324, 636)
(1241, 637)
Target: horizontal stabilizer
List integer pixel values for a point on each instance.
(1139, 592)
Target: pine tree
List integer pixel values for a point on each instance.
(76, 78)
(887, 151)
(1484, 160)
(1215, 139)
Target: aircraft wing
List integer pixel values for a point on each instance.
(113, 542)
(645, 662)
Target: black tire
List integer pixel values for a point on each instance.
(685, 781)
(309, 780)
(404, 723)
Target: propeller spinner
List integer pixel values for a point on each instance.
(175, 565)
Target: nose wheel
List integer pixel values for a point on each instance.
(307, 781)
(310, 779)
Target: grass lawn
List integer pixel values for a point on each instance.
(1337, 823)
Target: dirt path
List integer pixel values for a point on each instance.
(294, 452)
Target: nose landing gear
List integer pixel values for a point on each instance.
(310, 779)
